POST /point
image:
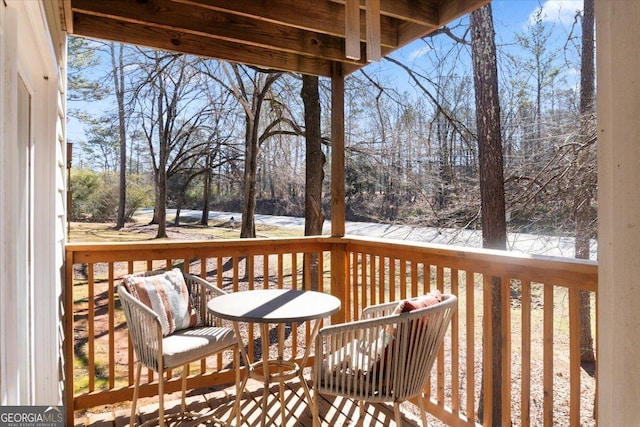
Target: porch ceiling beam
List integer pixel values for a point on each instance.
(454, 9)
(419, 12)
(67, 15)
(322, 16)
(170, 16)
(183, 42)
(409, 30)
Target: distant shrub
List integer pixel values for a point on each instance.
(140, 193)
(95, 195)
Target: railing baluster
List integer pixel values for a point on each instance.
(294, 270)
(548, 355)
(265, 271)
(392, 279)
(280, 271)
(505, 308)
(372, 280)
(470, 344)
(294, 285)
(355, 286)
(525, 376)
(381, 279)
(112, 341)
(219, 271)
(321, 272)
(455, 347)
(403, 278)
(248, 272)
(487, 347)
(130, 355)
(441, 361)
(575, 356)
(91, 330)
(414, 279)
(364, 283)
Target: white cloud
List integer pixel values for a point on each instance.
(417, 53)
(562, 12)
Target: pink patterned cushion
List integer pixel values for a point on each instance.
(432, 298)
(385, 358)
(168, 296)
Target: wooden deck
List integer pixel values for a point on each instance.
(333, 411)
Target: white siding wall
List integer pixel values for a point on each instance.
(32, 232)
(618, 73)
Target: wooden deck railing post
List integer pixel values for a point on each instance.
(68, 339)
(337, 153)
(339, 279)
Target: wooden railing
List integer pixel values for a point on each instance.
(540, 323)
(540, 308)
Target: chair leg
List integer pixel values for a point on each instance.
(183, 404)
(136, 386)
(161, 399)
(362, 412)
(315, 411)
(398, 415)
(236, 363)
(423, 412)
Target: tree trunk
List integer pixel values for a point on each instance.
(584, 195)
(253, 110)
(248, 227)
(160, 213)
(206, 191)
(494, 234)
(314, 175)
(118, 80)
(161, 181)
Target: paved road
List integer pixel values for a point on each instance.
(520, 242)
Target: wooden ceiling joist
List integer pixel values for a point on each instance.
(175, 41)
(289, 35)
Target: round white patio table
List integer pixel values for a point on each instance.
(274, 306)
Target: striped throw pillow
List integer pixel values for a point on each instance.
(168, 296)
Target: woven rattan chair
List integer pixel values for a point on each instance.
(385, 357)
(164, 352)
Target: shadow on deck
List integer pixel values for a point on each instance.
(334, 411)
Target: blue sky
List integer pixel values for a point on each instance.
(516, 13)
(511, 16)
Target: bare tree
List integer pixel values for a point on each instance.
(541, 67)
(314, 175)
(170, 115)
(251, 88)
(587, 172)
(117, 69)
(492, 199)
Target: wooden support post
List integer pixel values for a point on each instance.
(337, 152)
(338, 253)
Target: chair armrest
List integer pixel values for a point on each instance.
(144, 327)
(201, 292)
(191, 279)
(379, 310)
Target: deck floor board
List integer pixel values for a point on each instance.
(334, 411)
